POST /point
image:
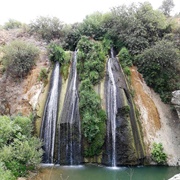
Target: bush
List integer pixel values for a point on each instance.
(19, 58)
(91, 59)
(19, 151)
(12, 24)
(5, 174)
(43, 76)
(47, 28)
(56, 53)
(158, 154)
(124, 58)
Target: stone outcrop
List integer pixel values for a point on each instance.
(176, 177)
(176, 101)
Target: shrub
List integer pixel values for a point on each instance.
(47, 28)
(124, 58)
(125, 110)
(5, 174)
(127, 71)
(43, 76)
(19, 58)
(19, 151)
(56, 53)
(158, 154)
(12, 24)
(91, 59)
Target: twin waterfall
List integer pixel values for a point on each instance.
(61, 127)
(62, 141)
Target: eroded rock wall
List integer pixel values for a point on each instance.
(159, 123)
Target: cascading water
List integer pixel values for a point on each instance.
(70, 129)
(48, 127)
(123, 145)
(111, 110)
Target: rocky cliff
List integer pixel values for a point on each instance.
(159, 123)
(21, 95)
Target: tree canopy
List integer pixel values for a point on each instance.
(167, 6)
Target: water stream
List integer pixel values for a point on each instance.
(70, 128)
(48, 127)
(111, 109)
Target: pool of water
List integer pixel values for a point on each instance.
(93, 172)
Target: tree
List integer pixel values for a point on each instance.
(137, 27)
(167, 6)
(92, 26)
(160, 68)
(47, 28)
(12, 24)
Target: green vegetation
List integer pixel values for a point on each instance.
(43, 76)
(19, 58)
(91, 69)
(12, 24)
(167, 6)
(158, 154)
(56, 53)
(19, 150)
(91, 59)
(47, 28)
(5, 174)
(125, 110)
(160, 67)
(125, 58)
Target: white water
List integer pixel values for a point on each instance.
(50, 117)
(112, 109)
(74, 100)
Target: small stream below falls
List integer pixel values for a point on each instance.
(93, 172)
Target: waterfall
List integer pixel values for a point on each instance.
(70, 128)
(111, 109)
(48, 127)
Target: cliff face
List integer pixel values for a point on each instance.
(159, 124)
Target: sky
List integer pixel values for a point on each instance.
(68, 11)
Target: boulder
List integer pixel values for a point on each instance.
(176, 177)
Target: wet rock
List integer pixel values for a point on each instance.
(129, 147)
(69, 139)
(176, 101)
(176, 177)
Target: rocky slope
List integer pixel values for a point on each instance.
(159, 123)
(21, 95)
